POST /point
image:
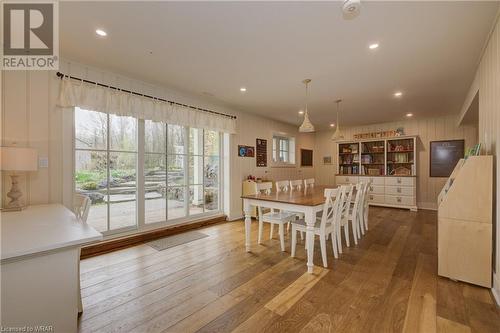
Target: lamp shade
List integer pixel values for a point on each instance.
(307, 126)
(18, 159)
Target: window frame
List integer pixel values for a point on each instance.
(276, 151)
(140, 200)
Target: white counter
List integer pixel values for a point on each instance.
(39, 266)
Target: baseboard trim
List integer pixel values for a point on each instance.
(146, 236)
(495, 291)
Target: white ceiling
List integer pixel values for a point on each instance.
(428, 50)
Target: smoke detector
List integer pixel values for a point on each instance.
(351, 8)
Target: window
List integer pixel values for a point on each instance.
(105, 167)
(180, 170)
(283, 150)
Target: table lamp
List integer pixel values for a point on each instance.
(16, 160)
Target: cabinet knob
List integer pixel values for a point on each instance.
(371, 197)
(371, 188)
(399, 199)
(399, 180)
(399, 189)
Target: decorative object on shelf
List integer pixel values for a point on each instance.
(306, 158)
(375, 135)
(402, 171)
(444, 156)
(306, 126)
(261, 150)
(246, 151)
(327, 160)
(400, 131)
(17, 159)
(474, 151)
(337, 135)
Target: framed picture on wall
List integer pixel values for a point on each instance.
(444, 156)
(327, 160)
(306, 158)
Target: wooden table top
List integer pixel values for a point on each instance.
(306, 197)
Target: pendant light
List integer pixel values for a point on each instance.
(306, 126)
(337, 135)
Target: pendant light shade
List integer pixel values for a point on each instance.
(336, 134)
(307, 126)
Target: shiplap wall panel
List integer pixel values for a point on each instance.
(489, 123)
(440, 128)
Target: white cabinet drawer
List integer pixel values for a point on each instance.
(375, 189)
(399, 200)
(373, 180)
(376, 198)
(346, 179)
(407, 191)
(396, 181)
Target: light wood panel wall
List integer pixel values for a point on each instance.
(441, 128)
(489, 125)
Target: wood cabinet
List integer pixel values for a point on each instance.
(465, 221)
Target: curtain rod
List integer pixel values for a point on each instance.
(61, 75)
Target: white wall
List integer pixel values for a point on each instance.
(30, 118)
(442, 128)
(489, 127)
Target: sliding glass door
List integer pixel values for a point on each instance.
(180, 171)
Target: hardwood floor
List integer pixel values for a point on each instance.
(387, 283)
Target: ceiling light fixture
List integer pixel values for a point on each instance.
(351, 8)
(306, 126)
(373, 46)
(409, 115)
(398, 94)
(337, 135)
(301, 112)
(243, 89)
(332, 125)
(101, 32)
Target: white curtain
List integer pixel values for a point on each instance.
(74, 93)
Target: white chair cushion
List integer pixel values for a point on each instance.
(302, 223)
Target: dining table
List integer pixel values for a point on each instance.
(308, 201)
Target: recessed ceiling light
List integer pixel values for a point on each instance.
(409, 115)
(243, 89)
(373, 46)
(301, 112)
(101, 32)
(332, 125)
(398, 94)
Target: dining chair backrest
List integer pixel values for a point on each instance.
(81, 207)
(346, 204)
(296, 185)
(309, 182)
(358, 199)
(334, 199)
(368, 186)
(264, 188)
(282, 186)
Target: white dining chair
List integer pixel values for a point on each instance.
(354, 215)
(344, 221)
(325, 225)
(296, 185)
(366, 207)
(308, 183)
(274, 216)
(81, 208)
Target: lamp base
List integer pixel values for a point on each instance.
(14, 194)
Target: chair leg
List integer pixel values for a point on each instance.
(301, 235)
(339, 238)
(294, 241)
(322, 243)
(346, 234)
(261, 227)
(282, 236)
(366, 219)
(334, 245)
(271, 231)
(354, 230)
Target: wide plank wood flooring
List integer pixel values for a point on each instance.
(387, 283)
